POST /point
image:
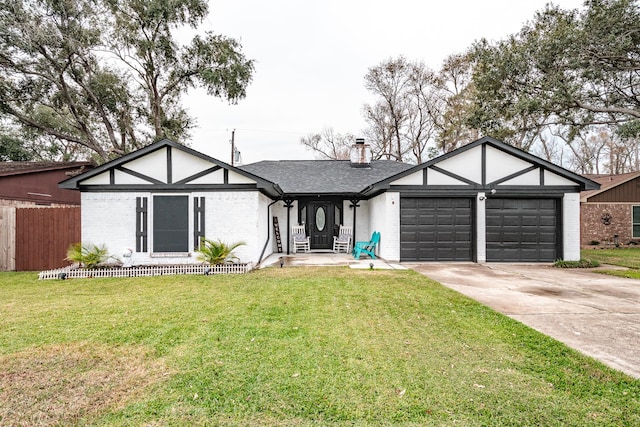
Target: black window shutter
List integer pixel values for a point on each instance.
(198, 221)
(141, 224)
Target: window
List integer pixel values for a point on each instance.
(170, 223)
(635, 221)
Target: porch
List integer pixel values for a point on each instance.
(319, 258)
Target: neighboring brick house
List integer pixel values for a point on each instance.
(611, 215)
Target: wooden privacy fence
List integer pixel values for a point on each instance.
(37, 238)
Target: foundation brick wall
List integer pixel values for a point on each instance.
(592, 227)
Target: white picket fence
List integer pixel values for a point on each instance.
(145, 270)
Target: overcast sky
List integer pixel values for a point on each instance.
(311, 59)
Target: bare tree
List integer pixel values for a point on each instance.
(453, 104)
(390, 82)
(328, 144)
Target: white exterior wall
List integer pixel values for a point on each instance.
(237, 216)
(384, 216)
(265, 234)
(571, 226)
(363, 228)
(481, 227)
(110, 219)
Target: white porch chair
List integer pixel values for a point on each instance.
(342, 242)
(300, 240)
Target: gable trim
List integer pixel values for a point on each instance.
(270, 189)
(581, 182)
(517, 174)
(198, 175)
(133, 173)
(169, 166)
(452, 175)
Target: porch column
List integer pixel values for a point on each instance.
(288, 203)
(354, 205)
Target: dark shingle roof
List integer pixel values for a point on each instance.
(17, 168)
(324, 176)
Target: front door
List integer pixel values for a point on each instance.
(320, 221)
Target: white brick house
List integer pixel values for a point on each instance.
(484, 202)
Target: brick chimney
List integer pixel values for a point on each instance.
(360, 154)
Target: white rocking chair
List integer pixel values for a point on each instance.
(342, 242)
(300, 240)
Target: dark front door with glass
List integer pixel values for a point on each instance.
(320, 222)
(322, 219)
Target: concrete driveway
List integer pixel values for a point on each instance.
(593, 313)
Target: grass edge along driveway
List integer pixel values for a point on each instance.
(295, 346)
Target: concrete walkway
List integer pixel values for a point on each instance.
(595, 314)
(328, 259)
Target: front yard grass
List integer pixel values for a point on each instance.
(628, 257)
(293, 347)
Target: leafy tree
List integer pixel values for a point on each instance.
(107, 75)
(12, 148)
(563, 72)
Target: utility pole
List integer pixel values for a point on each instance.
(233, 146)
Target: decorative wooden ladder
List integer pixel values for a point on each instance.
(276, 230)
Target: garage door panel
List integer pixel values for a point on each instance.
(528, 238)
(409, 220)
(425, 219)
(522, 229)
(509, 221)
(463, 220)
(436, 229)
(530, 220)
(463, 236)
(549, 204)
(547, 238)
(445, 220)
(493, 222)
(548, 221)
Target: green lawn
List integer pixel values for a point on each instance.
(287, 347)
(624, 257)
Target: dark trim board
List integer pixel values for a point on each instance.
(168, 187)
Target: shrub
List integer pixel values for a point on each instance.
(217, 252)
(88, 255)
(583, 263)
(594, 243)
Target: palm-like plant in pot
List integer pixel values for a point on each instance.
(217, 251)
